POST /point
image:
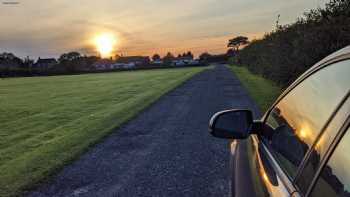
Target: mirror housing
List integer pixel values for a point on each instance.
(232, 124)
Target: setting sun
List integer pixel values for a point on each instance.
(105, 44)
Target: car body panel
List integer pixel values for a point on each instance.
(255, 172)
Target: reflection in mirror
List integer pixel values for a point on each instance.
(288, 148)
(233, 124)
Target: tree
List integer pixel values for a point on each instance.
(71, 61)
(10, 60)
(230, 53)
(116, 57)
(204, 56)
(189, 54)
(28, 63)
(69, 56)
(237, 42)
(287, 51)
(155, 57)
(168, 58)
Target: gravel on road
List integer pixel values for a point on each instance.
(165, 151)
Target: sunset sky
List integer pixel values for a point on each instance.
(49, 28)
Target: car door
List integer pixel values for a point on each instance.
(291, 130)
(333, 179)
(320, 152)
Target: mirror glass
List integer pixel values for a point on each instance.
(233, 124)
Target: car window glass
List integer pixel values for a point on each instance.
(334, 179)
(297, 119)
(321, 146)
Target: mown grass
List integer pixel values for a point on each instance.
(262, 90)
(46, 122)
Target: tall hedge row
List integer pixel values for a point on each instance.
(283, 54)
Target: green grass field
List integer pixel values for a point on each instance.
(46, 122)
(262, 90)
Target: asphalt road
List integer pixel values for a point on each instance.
(165, 151)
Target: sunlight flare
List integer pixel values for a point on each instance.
(105, 44)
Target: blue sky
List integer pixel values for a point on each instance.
(49, 28)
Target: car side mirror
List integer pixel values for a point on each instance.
(231, 124)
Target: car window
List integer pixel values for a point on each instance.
(297, 120)
(334, 179)
(320, 148)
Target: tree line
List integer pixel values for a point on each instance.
(68, 63)
(72, 62)
(289, 50)
(169, 57)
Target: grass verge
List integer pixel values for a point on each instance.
(46, 122)
(262, 90)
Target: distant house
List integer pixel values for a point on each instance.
(194, 62)
(184, 60)
(133, 60)
(178, 62)
(103, 64)
(157, 62)
(45, 63)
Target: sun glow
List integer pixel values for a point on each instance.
(303, 133)
(105, 44)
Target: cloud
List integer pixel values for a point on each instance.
(49, 28)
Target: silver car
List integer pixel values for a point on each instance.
(301, 146)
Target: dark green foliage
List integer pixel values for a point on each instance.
(285, 53)
(207, 58)
(237, 42)
(70, 62)
(156, 57)
(263, 91)
(189, 54)
(168, 58)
